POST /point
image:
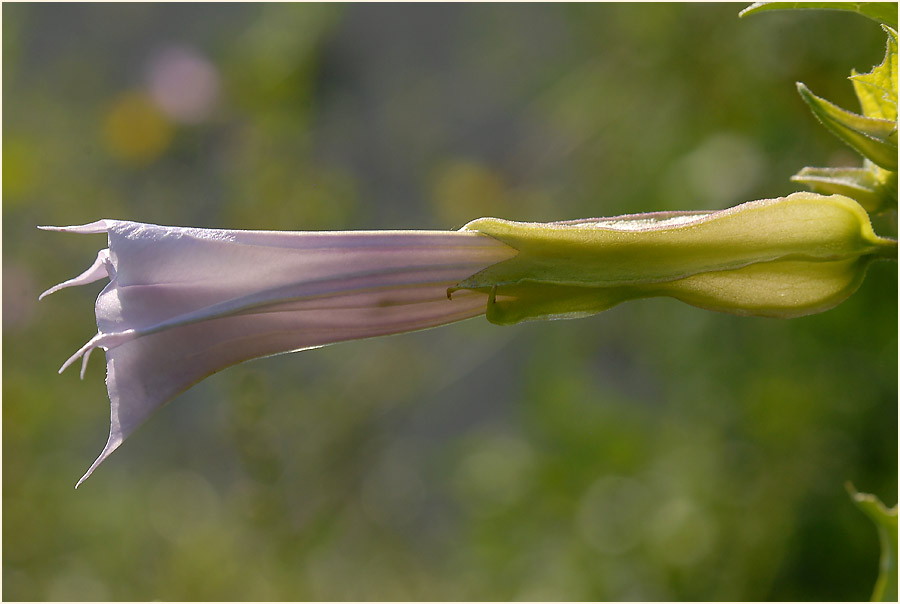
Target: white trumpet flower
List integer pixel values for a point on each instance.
(184, 303)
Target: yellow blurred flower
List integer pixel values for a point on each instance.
(135, 130)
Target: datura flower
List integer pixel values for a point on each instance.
(183, 303)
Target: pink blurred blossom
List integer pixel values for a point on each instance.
(183, 84)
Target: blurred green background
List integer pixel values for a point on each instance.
(655, 451)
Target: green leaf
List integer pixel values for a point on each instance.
(875, 139)
(882, 12)
(875, 189)
(877, 90)
(781, 257)
(886, 524)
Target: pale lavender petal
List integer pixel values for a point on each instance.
(184, 303)
(146, 372)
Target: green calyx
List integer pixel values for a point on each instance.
(781, 257)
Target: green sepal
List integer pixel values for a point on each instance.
(874, 188)
(882, 12)
(875, 139)
(780, 289)
(536, 300)
(781, 257)
(877, 90)
(886, 524)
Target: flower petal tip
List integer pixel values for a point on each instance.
(84, 353)
(98, 226)
(111, 445)
(100, 269)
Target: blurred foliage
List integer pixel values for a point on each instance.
(655, 451)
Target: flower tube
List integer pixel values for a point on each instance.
(184, 303)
